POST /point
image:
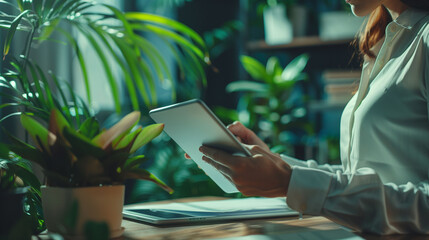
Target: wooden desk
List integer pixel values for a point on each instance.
(134, 230)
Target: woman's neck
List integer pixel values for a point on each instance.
(395, 7)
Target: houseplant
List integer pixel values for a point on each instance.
(27, 88)
(20, 198)
(269, 105)
(78, 163)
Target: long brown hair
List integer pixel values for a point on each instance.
(377, 23)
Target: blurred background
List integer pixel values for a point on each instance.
(285, 68)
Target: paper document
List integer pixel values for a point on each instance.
(224, 206)
(230, 209)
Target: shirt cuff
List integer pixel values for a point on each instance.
(308, 189)
(293, 161)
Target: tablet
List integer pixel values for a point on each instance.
(208, 211)
(192, 124)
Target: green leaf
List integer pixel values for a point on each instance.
(273, 67)
(195, 63)
(80, 145)
(246, 86)
(255, 69)
(46, 88)
(172, 35)
(107, 69)
(123, 126)
(4, 151)
(75, 103)
(295, 67)
(47, 8)
(36, 82)
(37, 5)
(48, 29)
(90, 128)
(36, 130)
(166, 22)
(20, 5)
(133, 63)
(68, 8)
(11, 32)
(62, 95)
(146, 135)
(137, 173)
(57, 122)
(128, 139)
(127, 77)
(27, 176)
(226, 114)
(28, 152)
(27, 4)
(134, 161)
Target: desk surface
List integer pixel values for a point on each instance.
(134, 230)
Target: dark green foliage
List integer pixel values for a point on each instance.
(106, 29)
(267, 104)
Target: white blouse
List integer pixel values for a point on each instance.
(382, 186)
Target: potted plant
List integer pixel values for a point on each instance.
(20, 198)
(85, 169)
(269, 105)
(28, 89)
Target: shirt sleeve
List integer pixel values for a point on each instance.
(361, 201)
(311, 164)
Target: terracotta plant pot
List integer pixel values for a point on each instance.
(67, 210)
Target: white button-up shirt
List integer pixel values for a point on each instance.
(382, 185)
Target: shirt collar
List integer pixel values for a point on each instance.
(410, 17)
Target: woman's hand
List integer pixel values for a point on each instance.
(244, 135)
(263, 174)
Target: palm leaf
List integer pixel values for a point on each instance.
(12, 31)
(132, 62)
(127, 76)
(163, 21)
(103, 59)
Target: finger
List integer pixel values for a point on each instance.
(255, 149)
(221, 168)
(187, 156)
(219, 156)
(237, 128)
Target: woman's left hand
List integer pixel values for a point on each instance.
(263, 174)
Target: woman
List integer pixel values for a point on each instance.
(382, 185)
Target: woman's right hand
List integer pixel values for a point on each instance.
(244, 135)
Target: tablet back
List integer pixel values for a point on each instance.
(191, 124)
